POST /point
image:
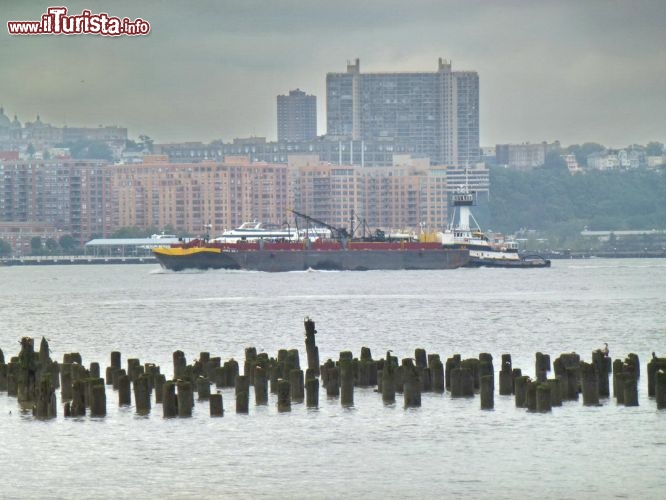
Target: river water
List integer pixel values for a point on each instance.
(446, 448)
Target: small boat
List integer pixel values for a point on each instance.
(482, 251)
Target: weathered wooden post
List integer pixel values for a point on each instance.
(28, 365)
(169, 399)
(297, 388)
(160, 379)
(531, 395)
(555, 391)
(462, 383)
(310, 345)
(520, 391)
(142, 394)
(216, 405)
(66, 381)
(630, 389)
(274, 372)
(213, 364)
(45, 404)
(78, 398)
(242, 394)
(312, 392)
(3, 377)
(283, 397)
(437, 374)
(572, 382)
(590, 383)
(98, 399)
(248, 366)
(185, 398)
(660, 389)
(388, 379)
(260, 386)
(451, 363)
(486, 368)
(420, 358)
(333, 384)
(542, 366)
(346, 382)
(472, 364)
(543, 398)
(232, 370)
(179, 364)
(632, 359)
(124, 390)
(94, 369)
(203, 388)
(133, 368)
(487, 399)
(653, 366)
(599, 361)
(505, 376)
(12, 378)
(411, 384)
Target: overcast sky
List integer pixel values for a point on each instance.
(573, 71)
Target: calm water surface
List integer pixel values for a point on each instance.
(447, 448)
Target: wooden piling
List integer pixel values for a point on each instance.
(346, 382)
(311, 348)
(203, 388)
(185, 398)
(462, 383)
(437, 374)
(124, 390)
(169, 399)
(297, 389)
(630, 389)
(333, 384)
(45, 404)
(116, 360)
(531, 395)
(388, 379)
(160, 380)
(248, 365)
(179, 364)
(660, 389)
(543, 398)
(78, 398)
(216, 405)
(520, 391)
(555, 391)
(260, 386)
(654, 365)
(312, 392)
(66, 381)
(590, 383)
(411, 384)
(242, 394)
(599, 361)
(486, 391)
(98, 399)
(94, 369)
(283, 397)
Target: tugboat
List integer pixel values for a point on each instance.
(482, 251)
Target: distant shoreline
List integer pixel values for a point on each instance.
(55, 260)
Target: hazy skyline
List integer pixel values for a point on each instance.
(549, 70)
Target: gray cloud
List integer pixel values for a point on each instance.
(573, 71)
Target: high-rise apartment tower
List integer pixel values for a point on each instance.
(435, 112)
(296, 116)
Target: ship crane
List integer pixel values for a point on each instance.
(339, 233)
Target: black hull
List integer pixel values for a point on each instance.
(511, 264)
(338, 260)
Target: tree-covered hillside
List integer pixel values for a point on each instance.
(551, 200)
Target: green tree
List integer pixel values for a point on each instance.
(67, 243)
(51, 245)
(5, 249)
(36, 245)
(654, 148)
(146, 143)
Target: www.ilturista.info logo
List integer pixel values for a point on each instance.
(57, 22)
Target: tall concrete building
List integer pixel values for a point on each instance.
(437, 113)
(296, 116)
